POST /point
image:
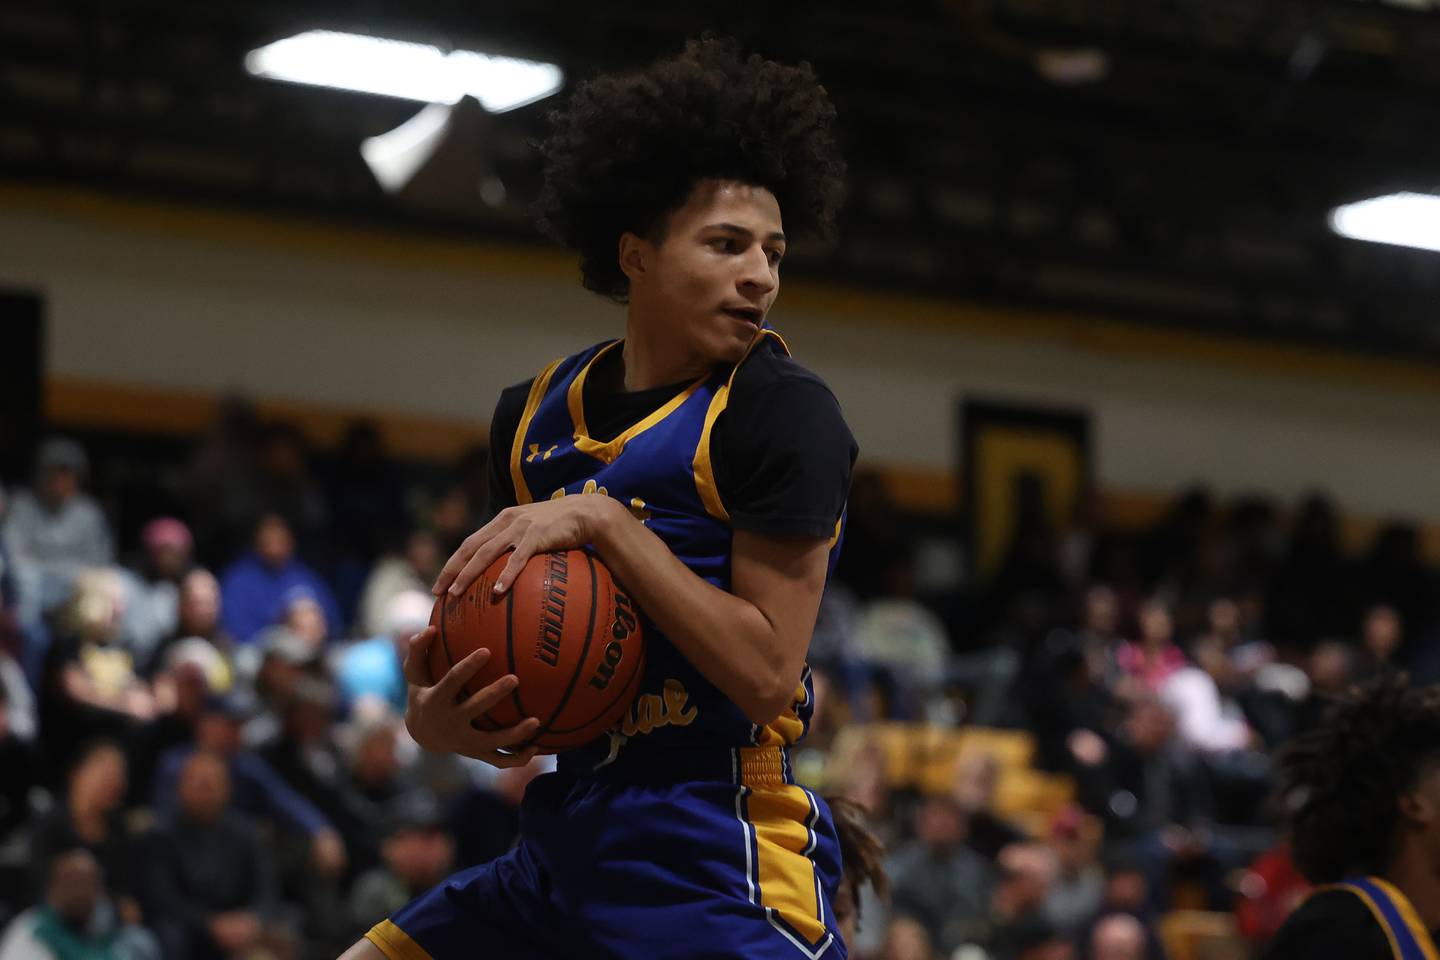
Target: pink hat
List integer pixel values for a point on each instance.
(166, 532)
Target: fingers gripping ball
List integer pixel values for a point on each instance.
(565, 629)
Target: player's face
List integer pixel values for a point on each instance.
(716, 273)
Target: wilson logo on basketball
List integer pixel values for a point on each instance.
(605, 670)
(625, 621)
(552, 616)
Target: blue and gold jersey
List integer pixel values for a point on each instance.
(660, 468)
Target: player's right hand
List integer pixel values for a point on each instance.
(441, 722)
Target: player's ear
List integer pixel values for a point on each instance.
(634, 256)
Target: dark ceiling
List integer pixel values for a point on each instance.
(1187, 186)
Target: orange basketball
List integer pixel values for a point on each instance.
(565, 629)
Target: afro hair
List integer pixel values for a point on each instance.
(1340, 783)
(628, 148)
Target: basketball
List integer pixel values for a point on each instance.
(565, 629)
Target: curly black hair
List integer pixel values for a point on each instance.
(1339, 783)
(628, 148)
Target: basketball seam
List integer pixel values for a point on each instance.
(639, 666)
(510, 646)
(632, 684)
(584, 651)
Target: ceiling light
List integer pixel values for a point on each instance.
(1404, 219)
(410, 71)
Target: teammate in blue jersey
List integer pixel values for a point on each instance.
(1362, 793)
(709, 471)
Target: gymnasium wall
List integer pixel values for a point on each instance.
(152, 307)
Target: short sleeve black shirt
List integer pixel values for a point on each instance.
(1331, 925)
(782, 452)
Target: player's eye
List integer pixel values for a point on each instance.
(725, 244)
(775, 257)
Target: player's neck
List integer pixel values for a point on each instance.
(1415, 873)
(655, 361)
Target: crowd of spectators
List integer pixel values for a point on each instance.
(201, 708)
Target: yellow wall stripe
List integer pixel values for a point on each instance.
(532, 403)
(395, 943)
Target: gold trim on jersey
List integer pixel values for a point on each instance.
(395, 943)
(607, 452)
(779, 831)
(517, 446)
(1418, 931)
(704, 470)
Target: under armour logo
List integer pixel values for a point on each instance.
(535, 452)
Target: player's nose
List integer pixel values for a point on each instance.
(755, 273)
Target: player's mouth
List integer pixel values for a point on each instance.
(750, 315)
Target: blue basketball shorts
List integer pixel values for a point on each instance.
(691, 856)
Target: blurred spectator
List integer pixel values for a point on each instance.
(939, 881)
(258, 791)
(1147, 663)
(152, 591)
(1079, 883)
(416, 854)
(897, 632)
(393, 575)
(1127, 893)
(1209, 719)
(221, 485)
(56, 530)
(1117, 936)
(907, 939)
(197, 616)
(1331, 671)
(90, 816)
(305, 617)
(194, 672)
(276, 664)
(1025, 878)
(373, 668)
(212, 889)
(75, 921)
(1382, 632)
(91, 686)
(255, 588)
(287, 489)
(1269, 891)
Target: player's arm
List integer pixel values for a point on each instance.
(750, 643)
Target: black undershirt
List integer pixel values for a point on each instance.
(1332, 925)
(781, 452)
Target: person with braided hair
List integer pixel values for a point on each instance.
(1361, 794)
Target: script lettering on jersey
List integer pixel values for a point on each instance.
(652, 711)
(552, 609)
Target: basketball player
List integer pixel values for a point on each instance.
(1362, 792)
(709, 472)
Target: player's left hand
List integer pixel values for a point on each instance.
(528, 529)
